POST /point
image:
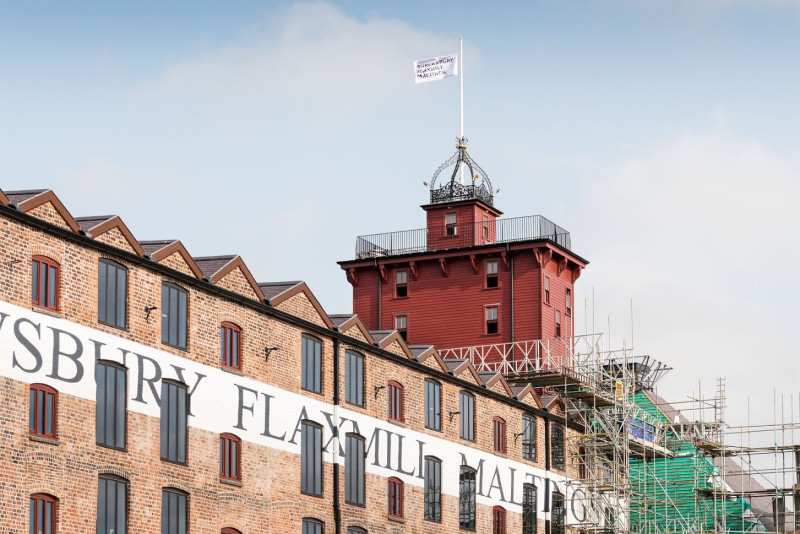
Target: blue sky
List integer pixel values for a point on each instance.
(663, 134)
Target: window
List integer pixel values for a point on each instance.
(499, 434)
(44, 286)
(558, 323)
(312, 364)
(313, 526)
(466, 409)
(174, 511)
(557, 446)
(174, 408)
(112, 505)
(491, 320)
(395, 402)
(529, 509)
(174, 307)
(433, 489)
(450, 224)
(111, 405)
(569, 302)
(229, 530)
(394, 493)
(43, 411)
(491, 274)
(356, 530)
(547, 290)
(230, 457)
(43, 513)
(433, 404)
(354, 479)
(230, 338)
(401, 325)
(112, 293)
(310, 458)
(559, 514)
(528, 437)
(401, 284)
(354, 378)
(498, 520)
(466, 498)
(486, 227)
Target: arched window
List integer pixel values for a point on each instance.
(230, 454)
(174, 415)
(433, 404)
(230, 345)
(43, 411)
(311, 364)
(466, 498)
(229, 530)
(395, 401)
(356, 530)
(45, 274)
(466, 418)
(313, 526)
(499, 434)
(354, 378)
(311, 458)
(354, 476)
(111, 405)
(528, 509)
(112, 504)
(433, 489)
(394, 493)
(112, 293)
(174, 511)
(498, 520)
(43, 513)
(174, 315)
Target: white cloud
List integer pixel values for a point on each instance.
(313, 55)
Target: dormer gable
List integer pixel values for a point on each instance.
(110, 229)
(496, 382)
(231, 273)
(527, 394)
(45, 205)
(352, 326)
(392, 341)
(171, 253)
(296, 299)
(430, 357)
(464, 370)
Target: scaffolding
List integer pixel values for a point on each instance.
(642, 465)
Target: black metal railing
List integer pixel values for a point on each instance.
(460, 236)
(453, 191)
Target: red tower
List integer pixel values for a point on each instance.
(469, 277)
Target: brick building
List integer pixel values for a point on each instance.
(145, 390)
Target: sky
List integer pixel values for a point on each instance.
(663, 134)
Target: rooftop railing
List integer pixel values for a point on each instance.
(460, 236)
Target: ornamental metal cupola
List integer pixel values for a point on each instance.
(479, 187)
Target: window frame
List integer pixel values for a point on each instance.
(230, 338)
(359, 387)
(451, 228)
(557, 461)
(432, 492)
(314, 463)
(395, 403)
(492, 278)
(116, 480)
(395, 493)
(401, 288)
(558, 527)
(529, 436)
(33, 412)
(466, 421)
(489, 323)
(36, 283)
(403, 331)
(546, 298)
(315, 373)
(435, 417)
(485, 227)
(558, 323)
(355, 496)
(498, 520)
(500, 443)
(118, 267)
(529, 497)
(568, 301)
(471, 512)
(165, 423)
(229, 459)
(312, 522)
(182, 497)
(33, 512)
(166, 319)
(115, 409)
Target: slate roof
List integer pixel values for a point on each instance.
(273, 289)
(210, 265)
(340, 318)
(151, 247)
(16, 197)
(87, 223)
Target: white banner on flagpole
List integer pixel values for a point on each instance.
(436, 68)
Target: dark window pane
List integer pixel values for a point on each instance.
(174, 410)
(433, 489)
(466, 499)
(311, 363)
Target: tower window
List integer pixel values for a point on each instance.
(401, 284)
(547, 290)
(569, 302)
(558, 323)
(401, 325)
(450, 227)
(491, 273)
(491, 320)
(486, 227)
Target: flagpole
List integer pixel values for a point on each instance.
(461, 96)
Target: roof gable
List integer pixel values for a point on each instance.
(352, 326)
(173, 255)
(300, 302)
(394, 343)
(466, 371)
(110, 230)
(35, 203)
(527, 394)
(498, 384)
(431, 358)
(231, 273)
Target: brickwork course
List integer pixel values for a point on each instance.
(262, 402)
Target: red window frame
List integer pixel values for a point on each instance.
(401, 288)
(230, 464)
(50, 280)
(37, 521)
(492, 279)
(230, 338)
(395, 401)
(547, 290)
(37, 423)
(498, 520)
(394, 491)
(492, 325)
(499, 425)
(404, 330)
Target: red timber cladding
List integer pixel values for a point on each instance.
(469, 220)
